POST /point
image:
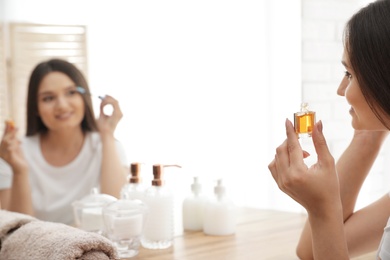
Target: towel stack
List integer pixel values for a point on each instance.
(25, 237)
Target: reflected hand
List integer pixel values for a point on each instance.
(107, 123)
(10, 149)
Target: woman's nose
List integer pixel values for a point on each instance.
(343, 85)
(61, 101)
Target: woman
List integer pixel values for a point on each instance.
(66, 152)
(328, 191)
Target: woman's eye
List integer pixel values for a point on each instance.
(47, 98)
(72, 92)
(348, 75)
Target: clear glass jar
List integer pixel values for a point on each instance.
(88, 211)
(124, 222)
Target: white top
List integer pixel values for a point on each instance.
(55, 188)
(384, 246)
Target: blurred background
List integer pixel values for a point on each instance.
(204, 84)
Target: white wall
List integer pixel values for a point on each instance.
(323, 24)
(205, 84)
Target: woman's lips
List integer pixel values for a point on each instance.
(63, 116)
(351, 111)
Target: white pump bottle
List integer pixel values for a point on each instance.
(193, 208)
(220, 213)
(134, 189)
(159, 226)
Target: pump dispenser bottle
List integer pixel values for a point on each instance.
(193, 208)
(304, 121)
(159, 226)
(220, 214)
(134, 189)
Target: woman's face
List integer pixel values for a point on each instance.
(363, 118)
(60, 105)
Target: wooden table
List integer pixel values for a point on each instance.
(260, 234)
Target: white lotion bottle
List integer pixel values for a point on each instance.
(193, 208)
(159, 227)
(220, 213)
(134, 189)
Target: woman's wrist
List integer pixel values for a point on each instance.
(326, 210)
(107, 137)
(20, 170)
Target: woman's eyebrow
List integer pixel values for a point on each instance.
(51, 92)
(345, 64)
(48, 92)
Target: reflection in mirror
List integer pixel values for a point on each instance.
(199, 82)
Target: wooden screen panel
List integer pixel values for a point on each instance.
(34, 43)
(4, 97)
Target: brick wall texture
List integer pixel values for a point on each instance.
(322, 28)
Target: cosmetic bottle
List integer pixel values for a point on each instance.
(193, 207)
(159, 226)
(88, 211)
(134, 189)
(220, 213)
(304, 121)
(124, 221)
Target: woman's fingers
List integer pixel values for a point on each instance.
(294, 148)
(272, 169)
(321, 147)
(107, 103)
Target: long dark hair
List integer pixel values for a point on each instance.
(367, 42)
(34, 122)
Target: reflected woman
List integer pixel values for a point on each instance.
(66, 151)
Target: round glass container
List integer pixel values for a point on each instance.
(124, 222)
(88, 211)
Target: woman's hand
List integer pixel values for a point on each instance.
(315, 188)
(107, 123)
(10, 149)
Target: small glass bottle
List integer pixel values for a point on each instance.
(304, 121)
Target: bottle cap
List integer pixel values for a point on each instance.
(219, 189)
(135, 169)
(158, 173)
(196, 187)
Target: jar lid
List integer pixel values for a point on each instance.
(125, 206)
(94, 199)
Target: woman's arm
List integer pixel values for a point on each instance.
(4, 198)
(352, 168)
(113, 175)
(20, 194)
(329, 240)
(18, 197)
(316, 189)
